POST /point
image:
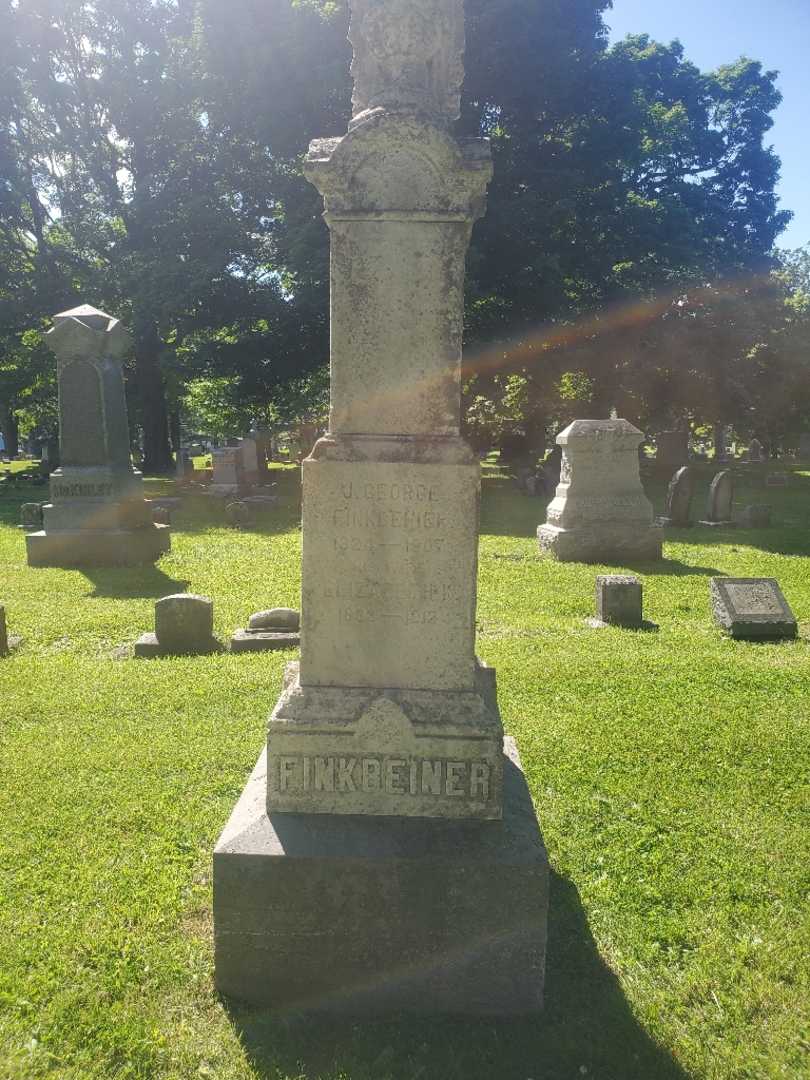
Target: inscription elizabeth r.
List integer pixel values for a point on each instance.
(382, 775)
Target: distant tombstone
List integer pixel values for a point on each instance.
(720, 501)
(277, 628)
(776, 480)
(756, 516)
(4, 649)
(250, 460)
(756, 451)
(600, 512)
(752, 608)
(672, 448)
(804, 447)
(679, 499)
(184, 626)
(238, 515)
(31, 516)
(97, 514)
(618, 601)
(161, 515)
(228, 478)
(184, 466)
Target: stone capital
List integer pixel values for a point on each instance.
(401, 167)
(85, 333)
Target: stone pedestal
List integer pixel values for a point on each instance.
(364, 915)
(383, 824)
(97, 514)
(600, 512)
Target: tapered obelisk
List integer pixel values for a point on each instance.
(396, 832)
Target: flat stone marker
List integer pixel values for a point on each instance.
(97, 514)
(184, 626)
(720, 501)
(385, 822)
(619, 602)
(752, 608)
(756, 516)
(277, 628)
(600, 512)
(679, 499)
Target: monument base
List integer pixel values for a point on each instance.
(602, 544)
(264, 640)
(147, 647)
(97, 547)
(363, 915)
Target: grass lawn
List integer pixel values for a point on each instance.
(669, 771)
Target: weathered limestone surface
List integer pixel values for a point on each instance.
(97, 513)
(600, 512)
(418, 915)
(752, 608)
(228, 478)
(386, 823)
(720, 501)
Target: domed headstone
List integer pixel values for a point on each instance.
(720, 501)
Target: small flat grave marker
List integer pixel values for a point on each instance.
(752, 609)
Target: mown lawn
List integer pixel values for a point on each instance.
(669, 770)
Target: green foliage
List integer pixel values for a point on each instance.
(668, 771)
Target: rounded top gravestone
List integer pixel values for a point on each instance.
(721, 497)
(679, 496)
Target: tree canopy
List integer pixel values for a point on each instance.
(150, 163)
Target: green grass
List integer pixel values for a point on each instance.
(669, 772)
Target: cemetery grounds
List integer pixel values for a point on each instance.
(669, 772)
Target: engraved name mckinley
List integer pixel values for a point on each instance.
(381, 775)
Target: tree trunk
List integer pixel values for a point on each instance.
(174, 431)
(157, 456)
(10, 430)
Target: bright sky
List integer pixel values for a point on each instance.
(715, 32)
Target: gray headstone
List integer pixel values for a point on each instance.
(672, 448)
(275, 619)
(184, 622)
(756, 516)
(4, 650)
(752, 608)
(721, 499)
(804, 448)
(679, 497)
(776, 480)
(756, 451)
(238, 515)
(31, 516)
(619, 600)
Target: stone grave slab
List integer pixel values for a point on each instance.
(752, 608)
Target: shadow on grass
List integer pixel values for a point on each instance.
(129, 582)
(586, 1029)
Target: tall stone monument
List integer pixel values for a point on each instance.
(387, 820)
(97, 514)
(600, 512)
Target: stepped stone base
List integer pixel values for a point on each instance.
(97, 547)
(606, 544)
(364, 916)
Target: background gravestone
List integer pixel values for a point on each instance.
(752, 608)
(720, 501)
(385, 821)
(679, 499)
(184, 626)
(671, 448)
(600, 512)
(97, 513)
